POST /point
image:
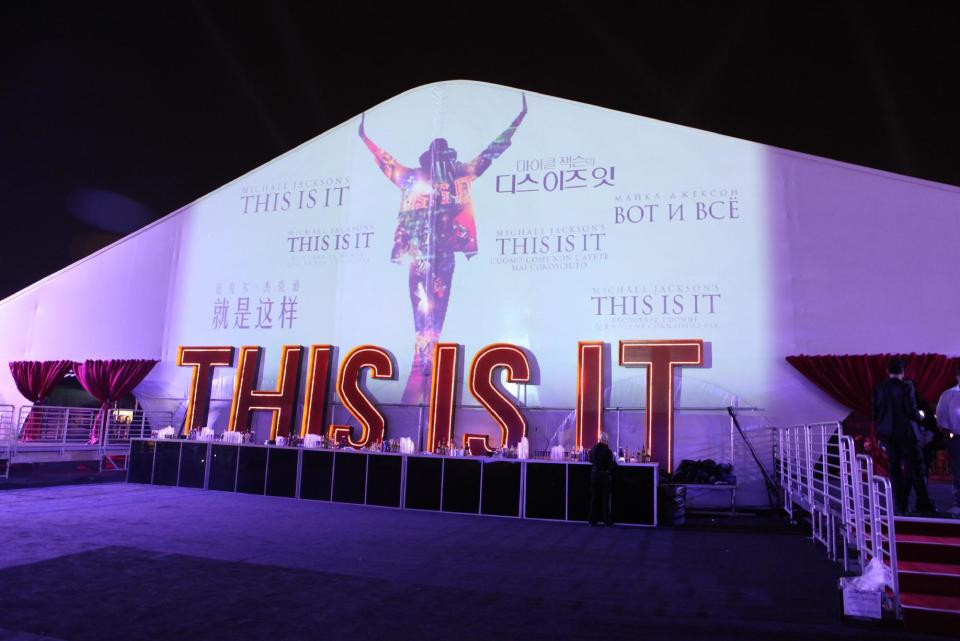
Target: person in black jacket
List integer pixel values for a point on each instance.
(895, 412)
(601, 480)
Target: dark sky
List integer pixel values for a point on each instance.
(163, 103)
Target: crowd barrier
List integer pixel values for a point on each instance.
(849, 507)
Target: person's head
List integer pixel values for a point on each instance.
(438, 152)
(895, 367)
(604, 438)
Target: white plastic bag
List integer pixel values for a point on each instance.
(876, 576)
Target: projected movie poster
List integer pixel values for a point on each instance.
(476, 214)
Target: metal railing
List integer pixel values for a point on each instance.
(7, 435)
(7, 431)
(886, 545)
(809, 460)
(6, 439)
(61, 429)
(849, 507)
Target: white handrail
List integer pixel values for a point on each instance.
(821, 474)
(56, 428)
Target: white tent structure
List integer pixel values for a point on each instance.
(578, 223)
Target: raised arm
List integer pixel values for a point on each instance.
(480, 164)
(393, 170)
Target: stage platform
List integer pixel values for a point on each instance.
(126, 561)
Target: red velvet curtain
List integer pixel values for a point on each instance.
(109, 381)
(35, 380)
(850, 380)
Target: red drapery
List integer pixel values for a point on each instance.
(108, 382)
(850, 379)
(35, 380)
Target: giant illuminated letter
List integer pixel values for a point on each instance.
(443, 387)
(589, 393)
(372, 423)
(504, 411)
(660, 357)
(202, 360)
(282, 402)
(315, 392)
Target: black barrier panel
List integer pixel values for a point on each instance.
(316, 473)
(282, 472)
(349, 477)
(546, 494)
(461, 485)
(383, 480)
(501, 489)
(423, 483)
(578, 491)
(223, 467)
(166, 463)
(633, 492)
(193, 464)
(252, 470)
(141, 461)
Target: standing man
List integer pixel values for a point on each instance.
(948, 417)
(601, 480)
(894, 412)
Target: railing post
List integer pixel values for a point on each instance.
(809, 465)
(66, 426)
(420, 427)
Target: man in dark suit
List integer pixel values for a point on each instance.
(894, 412)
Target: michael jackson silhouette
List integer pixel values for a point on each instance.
(435, 222)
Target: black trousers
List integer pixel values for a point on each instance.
(600, 483)
(907, 472)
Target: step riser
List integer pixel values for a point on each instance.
(925, 622)
(927, 553)
(939, 528)
(929, 584)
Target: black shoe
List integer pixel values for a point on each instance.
(608, 523)
(593, 524)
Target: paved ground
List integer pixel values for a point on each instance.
(116, 561)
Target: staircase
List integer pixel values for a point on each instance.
(928, 560)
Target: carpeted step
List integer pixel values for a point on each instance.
(929, 568)
(928, 549)
(930, 578)
(930, 614)
(928, 527)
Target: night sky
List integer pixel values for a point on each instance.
(113, 116)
